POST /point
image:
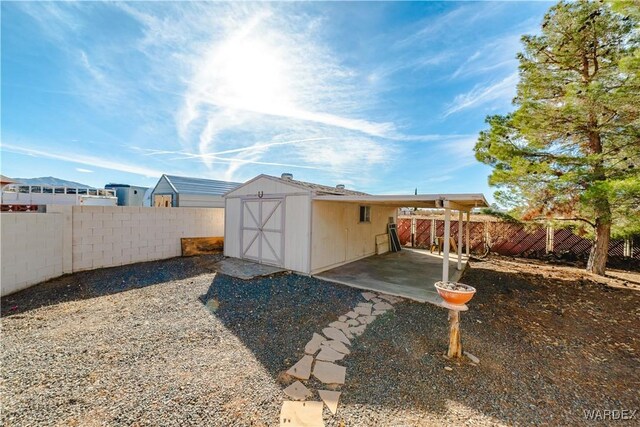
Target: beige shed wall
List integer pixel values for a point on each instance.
(232, 227)
(338, 237)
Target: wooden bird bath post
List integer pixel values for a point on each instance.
(455, 344)
(455, 295)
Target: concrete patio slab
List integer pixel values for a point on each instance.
(245, 270)
(410, 273)
(302, 414)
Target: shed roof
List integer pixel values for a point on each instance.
(316, 189)
(320, 189)
(188, 185)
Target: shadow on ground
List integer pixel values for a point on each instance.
(550, 348)
(106, 281)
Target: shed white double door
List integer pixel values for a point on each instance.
(262, 229)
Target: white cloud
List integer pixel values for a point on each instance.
(101, 161)
(82, 170)
(502, 91)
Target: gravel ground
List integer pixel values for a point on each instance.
(171, 343)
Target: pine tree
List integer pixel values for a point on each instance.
(571, 149)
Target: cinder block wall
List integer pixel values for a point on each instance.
(110, 236)
(88, 237)
(30, 249)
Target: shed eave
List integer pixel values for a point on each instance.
(468, 201)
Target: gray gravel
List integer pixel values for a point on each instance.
(171, 343)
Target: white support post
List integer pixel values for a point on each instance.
(467, 233)
(460, 229)
(446, 245)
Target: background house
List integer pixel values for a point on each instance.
(128, 195)
(180, 191)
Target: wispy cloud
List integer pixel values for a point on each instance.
(82, 170)
(502, 91)
(263, 74)
(96, 161)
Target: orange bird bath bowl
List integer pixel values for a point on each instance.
(455, 293)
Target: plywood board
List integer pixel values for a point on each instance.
(201, 245)
(382, 244)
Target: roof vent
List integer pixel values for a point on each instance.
(340, 186)
(288, 176)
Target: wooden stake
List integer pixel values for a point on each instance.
(455, 346)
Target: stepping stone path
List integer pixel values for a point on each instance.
(302, 369)
(297, 391)
(330, 398)
(336, 334)
(329, 373)
(330, 355)
(333, 345)
(313, 346)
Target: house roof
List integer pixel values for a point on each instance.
(187, 185)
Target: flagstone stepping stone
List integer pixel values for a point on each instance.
(365, 304)
(378, 312)
(337, 346)
(352, 314)
(302, 369)
(342, 318)
(297, 391)
(374, 300)
(330, 355)
(382, 306)
(365, 311)
(306, 414)
(339, 325)
(391, 298)
(367, 319)
(330, 398)
(368, 295)
(353, 322)
(329, 373)
(357, 330)
(313, 346)
(344, 327)
(336, 334)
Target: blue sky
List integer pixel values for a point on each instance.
(383, 97)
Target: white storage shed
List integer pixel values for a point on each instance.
(309, 228)
(280, 222)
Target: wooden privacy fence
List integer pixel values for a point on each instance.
(513, 239)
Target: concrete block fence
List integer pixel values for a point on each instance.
(38, 246)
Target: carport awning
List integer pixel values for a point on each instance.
(463, 202)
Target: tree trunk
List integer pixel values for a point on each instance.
(600, 251)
